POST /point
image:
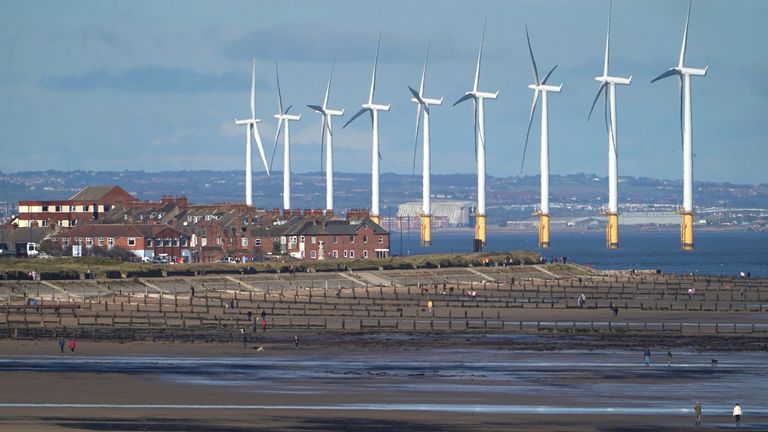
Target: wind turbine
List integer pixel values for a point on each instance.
(375, 154)
(327, 136)
(251, 128)
(541, 86)
(478, 97)
(423, 103)
(684, 75)
(608, 89)
(283, 119)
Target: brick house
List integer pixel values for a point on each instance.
(144, 241)
(87, 205)
(336, 239)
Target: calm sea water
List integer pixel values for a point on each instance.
(716, 253)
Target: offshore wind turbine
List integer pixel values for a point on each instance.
(684, 75)
(373, 109)
(478, 97)
(541, 86)
(327, 136)
(283, 118)
(608, 89)
(252, 128)
(422, 104)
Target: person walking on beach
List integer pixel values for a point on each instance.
(264, 325)
(669, 358)
(62, 342)
(245, 338)
(697, 411)
(296, 341)
(429, 305)
(72, 345)
(647, 357)
(737, 414)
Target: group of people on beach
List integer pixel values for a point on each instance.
(63, 342)
(737, 413)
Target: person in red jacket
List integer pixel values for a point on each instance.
(72, 345)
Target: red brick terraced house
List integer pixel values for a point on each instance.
(87, 205)
(144, 241)
(336, 239)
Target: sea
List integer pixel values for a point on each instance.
(718, 253)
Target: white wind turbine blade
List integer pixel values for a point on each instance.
(533, 61)
(253, 91)
(479, 59)
(546, 77)
(322, 142)
(603, 87)
(607, 40)
(328, 87)
(279, 93)
(423, 73)
(373, 76)
(419, 99)
(685, 37)
(277, 136)
(260, 146)
(528, 132)
(418, 124)
(357, 114)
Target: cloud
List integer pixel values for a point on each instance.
(310, 44)
(151, 79)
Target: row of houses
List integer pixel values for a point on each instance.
(178, 230)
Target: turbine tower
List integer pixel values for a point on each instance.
(252, 128)
(541, 86)
(283, 119)
(375, 153)
(684, 75)
(423, 103)
(327, 136)
(608, 89)
(478, 97)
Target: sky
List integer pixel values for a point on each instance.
(147, 85)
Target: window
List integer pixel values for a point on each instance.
(149, 242)
(293, 240)
(110, 242)
(204, 241)
(101, 241)
(89, 242)
(86, 208)
(218, 240)
(381, 239)
(65, 241)
(244, 241)
(58, 208)
(71, 208)
(335, 254)
(301, 239)
(313, 254)
(107, 208)
(44, 223)
(257, 242)
(313, 239)
(365, 254)
(174, 242)
(351, 239)
(365, 239)
(352, 254)
(335, 240)
(131, 241)
(345, 253)
(45, 208)
(184, 241)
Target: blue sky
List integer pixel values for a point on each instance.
(156, 85)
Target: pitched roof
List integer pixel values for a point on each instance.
(99, 192)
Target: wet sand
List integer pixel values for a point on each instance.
(383, 382)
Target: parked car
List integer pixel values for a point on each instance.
(229, 260)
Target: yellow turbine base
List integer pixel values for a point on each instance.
(376, 219)
(686, 231)
(544, 230)
(426, 230)
(612, 231)
(480, 228)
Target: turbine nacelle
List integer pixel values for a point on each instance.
(484, 95)
(546, 88)
(247, 121)
(428, 101)
(614, 80)
(376, 107)
(287, 117)
(693, 71)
